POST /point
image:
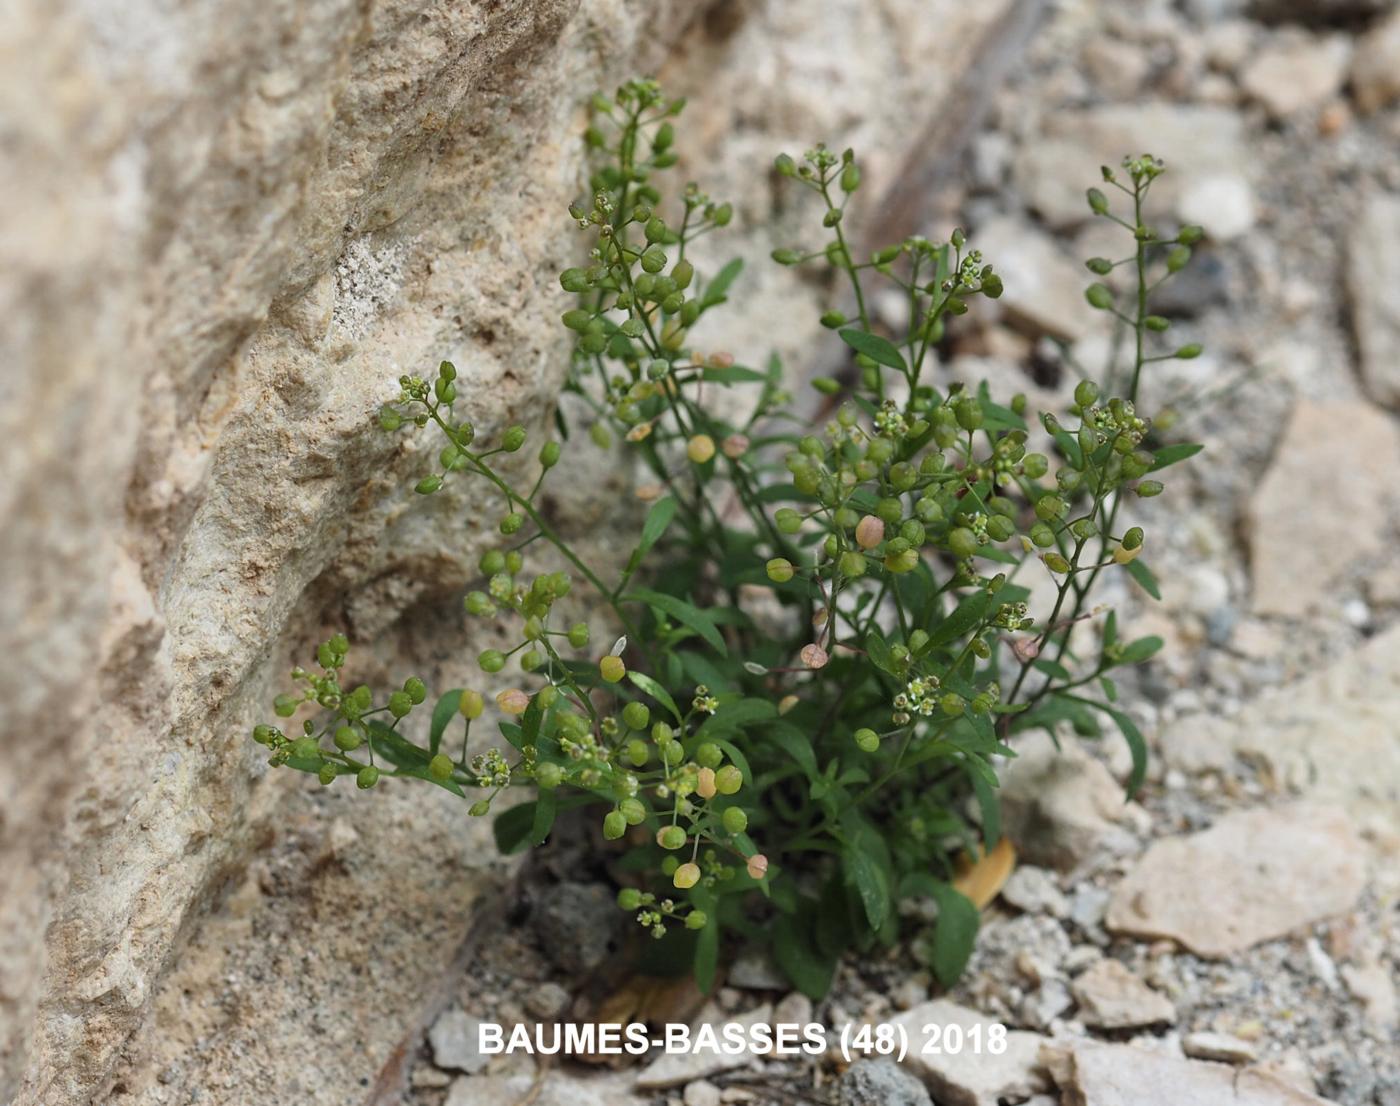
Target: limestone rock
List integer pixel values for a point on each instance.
(1034, 890)
(1297, 73)
(1222, 1047)
(593, 1089)
(233, 226)
(970, 1076)
(1222, 205)
(1111, 997)
(1251, 877)
(1092, 1074)
(1059, 806)
(1195, 141)
(881, 1082)
(454, 1041)
(1044, 288)
(1299, 503)
(1373, 269)
(1375, 66)
(679, 1068)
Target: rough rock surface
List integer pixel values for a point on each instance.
(1372, 272)
(235, 226)
(970, 1076)
(1111, 997)
(1288, 576)
(1252, 876)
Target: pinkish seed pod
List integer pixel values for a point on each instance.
(705, 783)
(513, 701)
(870, 532)
(735, 446)
(814, 656)
(757, 866)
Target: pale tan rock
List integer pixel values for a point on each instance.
(676, 1069)
(1092, 1074)
(1221, 1047)
(966, 1075)
(1044, 289)
(1111, 997)
(1251, 877)
(1375, 66)
(1305, 528)
(1059, 806)
(1371, 273)
(232, 226)
(1297, 72)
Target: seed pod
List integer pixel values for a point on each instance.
(1133, 538)
(633, 811)
(578, 635)
(1178, 259)
(637, 715)
(850, 177)
(389, 419)
(440, 767)
(1188, 352)
(780, 570)
(1156, 323)
(1086, 394)
(705, 785)
(905, 560)
(491, 660)
(326, 774)
(670, 837)
(852, 565)
(367, 777)
(734, 820)
(428, 485)
(757, 866)
(1146, 489)
(1098, 202)
(870, 532)
(786, 256)
(653, 259)
(728, 780)
(549, 454)
(867, 740)
(687, 876)
(612, 669)
(614, 825)
(1099, 297)
(700, 448)
(482, 807)
(962, 542)
(969, 414)
(400, 704)
(576, 318)
(513, 438)
(813, 656)
(1056, 563)
(1049, 507)
(513, 701)
(1100, 265)
(512, 523)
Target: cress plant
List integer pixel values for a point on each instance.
(786, 765)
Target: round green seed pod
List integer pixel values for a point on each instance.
(697, 919)
(637, 715)
(612, 669)
(1133, 538)
(578, 635)
(400, 704)
(687, 875)
(734, 820)
(1086, 393)
(637, 753)
(416, 689)
(728, 780)
(440, 767)
(709, 755)
(367, 777)
(671, 837)
(962, 542)
(549, 454)
(471, 704)
(491, 660)
(653, 259)
(428, 485)
(347, 739)
(779, 570)
(1146, 489)
(951, 703)
(629, 898)
(969, 414)
(304, 748)
(867, 740)
(513, 438)
(327, 774)
(480, 808)
(1049, 507)
(852, 564)
(614, 825)
(633, 811)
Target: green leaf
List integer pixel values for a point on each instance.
(543, 821)
(394, 747)
(810, 971)
(736, 715)
(874, 347)
(685, 613)
(871, 881)
(1143, 575)
(512, 828)
(990, 806)
(953, 934)
(717, 288)
(1171, 454)
(1140, 650)
(1137, 744)
(964, 618)
(443, 712)
(732, 374)
(879, 652)
(706, 943)
(796, 744)
(656, 691)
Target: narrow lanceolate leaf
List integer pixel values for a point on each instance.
(687, 614)
(950, 944)
(872, 884)
(874, 347)
(1171, 454)
(443, 713)
(657, 520)
(1145, 580)
(656, 691)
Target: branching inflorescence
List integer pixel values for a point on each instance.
(795, 771)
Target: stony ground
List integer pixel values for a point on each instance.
(1233, 935)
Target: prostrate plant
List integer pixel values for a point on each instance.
(839, 650)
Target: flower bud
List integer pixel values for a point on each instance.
(549, 776)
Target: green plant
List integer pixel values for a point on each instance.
(798, 778)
